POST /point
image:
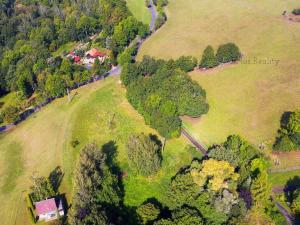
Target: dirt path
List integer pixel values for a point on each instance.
(195, 142)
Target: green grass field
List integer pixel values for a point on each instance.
(139, 10)
(42, 143)
(247, 99)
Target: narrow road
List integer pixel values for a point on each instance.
(288, 217)
(115, 71)
(153, 15)
(196, 143)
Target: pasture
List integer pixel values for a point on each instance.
(139, 10)
(247, 98)
(43, 142)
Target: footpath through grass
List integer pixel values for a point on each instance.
(247, 98)
(43, 142)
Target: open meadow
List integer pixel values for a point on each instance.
(139, 10)
(247, 98)
(98, 112)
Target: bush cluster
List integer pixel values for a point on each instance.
(296, 11)
(226, 53)
(289, 134)
(161, 91)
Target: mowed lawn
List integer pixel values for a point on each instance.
(139, 10)
(247, 99)
(43, 142)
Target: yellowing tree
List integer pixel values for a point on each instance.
(218, 174)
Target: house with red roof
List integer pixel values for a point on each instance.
(92, 54)
(49, 209)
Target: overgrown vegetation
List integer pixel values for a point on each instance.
(161, 91)
(144, 154)
(161, 15)
(296, 11)
(289, 133)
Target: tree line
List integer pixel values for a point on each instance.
(226, 53)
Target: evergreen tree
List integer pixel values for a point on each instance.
(209, 59)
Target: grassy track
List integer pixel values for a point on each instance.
(139, 10)
(43, 142)
(280, 179)
(247, 99)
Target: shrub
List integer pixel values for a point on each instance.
(74, 143)
(147, 212)
(209, 59)
(1, 118)
(160, 20)
(186, 63)
(284, 143)
(296, 11)
(228, 52)
(11, 114)
(289, 133)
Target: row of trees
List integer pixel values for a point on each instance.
(161, 91)
(226, 53)
(289, 133)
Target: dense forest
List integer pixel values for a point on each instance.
(32, 30)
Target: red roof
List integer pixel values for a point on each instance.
(45, 206)
(77, 58)
(95, 53)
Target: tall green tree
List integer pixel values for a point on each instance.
(144, 154)
(209, 60)
(96, 188)
(147, 213)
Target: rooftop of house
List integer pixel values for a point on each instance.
(45, 206)
(95, 53)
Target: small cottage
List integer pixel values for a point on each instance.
(49, 209)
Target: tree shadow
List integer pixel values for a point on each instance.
(55, 178)
(291, 186)
(155, 138)
(118, 214)
(284, 119)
